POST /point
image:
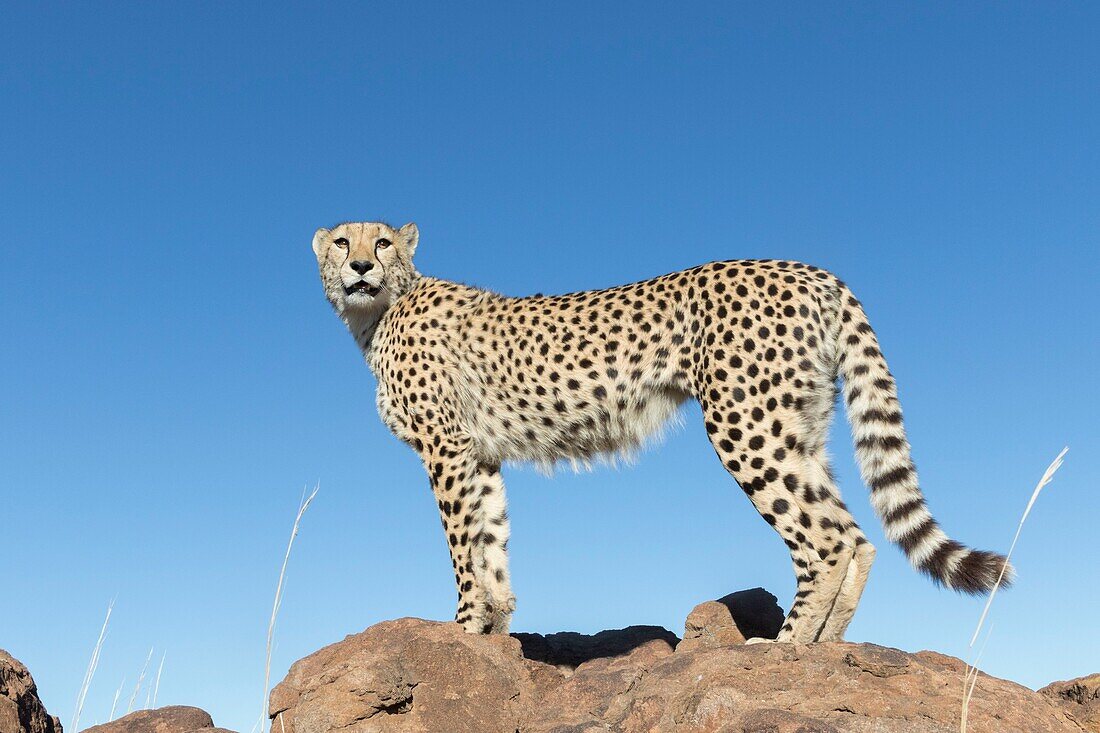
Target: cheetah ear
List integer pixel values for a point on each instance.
(318, 237)
(411, 235)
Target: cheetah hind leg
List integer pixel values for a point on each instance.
(757, 440)
(842, 546)
(806, 620)
(842, 542)
(835, 549)
(850, 591)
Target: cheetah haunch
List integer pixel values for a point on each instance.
(471, 379)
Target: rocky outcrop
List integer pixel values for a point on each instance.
(413, 676)
(20, 709)
(734, 619)
(1080, 698)
(171, 719)
(409, 673)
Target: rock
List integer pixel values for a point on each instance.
(779, 721)
(1080, 698)
(171, 719)
(20, 709)
(212, 730)
(846, 687)
(851, 687)
(409, 675)
(598, 690)
(732, 620)
(413, 676)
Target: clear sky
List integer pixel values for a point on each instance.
(172, 376)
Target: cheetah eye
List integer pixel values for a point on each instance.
(383, 243)
(340, 242)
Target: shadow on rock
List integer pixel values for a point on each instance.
(570, 649)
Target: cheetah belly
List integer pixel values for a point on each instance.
(578, 434)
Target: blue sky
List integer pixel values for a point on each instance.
(173, 377)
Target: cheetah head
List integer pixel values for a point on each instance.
(365, 266)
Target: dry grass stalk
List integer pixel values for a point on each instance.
(970, 679)
(115, 703)
(92, 665)
(156, 687)
(141, 679)
(302, 506)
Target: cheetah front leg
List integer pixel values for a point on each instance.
(490, 540)
(456, 485)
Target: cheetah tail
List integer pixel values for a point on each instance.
(882, 452)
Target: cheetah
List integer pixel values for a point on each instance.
(471, 379)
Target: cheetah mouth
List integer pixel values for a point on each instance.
(363, 287)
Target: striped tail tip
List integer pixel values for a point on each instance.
(977, 572)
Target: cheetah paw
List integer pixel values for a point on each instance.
(500, 623)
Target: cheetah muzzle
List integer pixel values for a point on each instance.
(471, 380)
(363, 287)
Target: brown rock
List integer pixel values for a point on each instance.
(780, 721)
(851, 687)
(171, 719)
(732, 620)
(600, 690)
(407, 675)
(1080, 699)
(20, 709)
(412, 676)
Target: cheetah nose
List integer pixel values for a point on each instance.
(362, 266)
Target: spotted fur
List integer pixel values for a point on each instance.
(471, 379)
